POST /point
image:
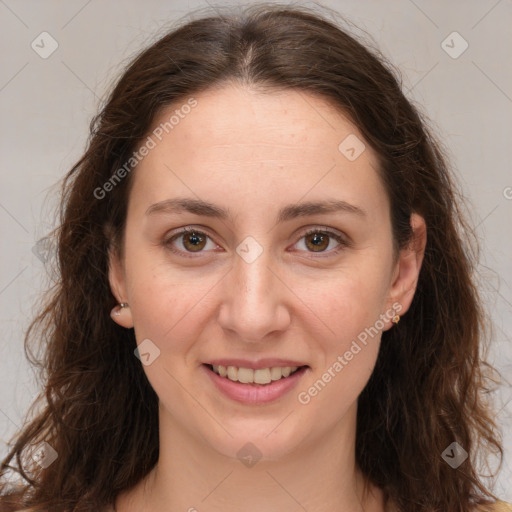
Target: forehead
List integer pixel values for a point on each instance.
(237, 139)
(276, 123)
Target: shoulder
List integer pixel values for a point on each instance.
(499, 506)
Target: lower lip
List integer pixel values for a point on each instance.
(255, 393)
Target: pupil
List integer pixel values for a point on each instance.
(194, 240)
(318, 241)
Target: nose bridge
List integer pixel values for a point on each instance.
(251, 271)
(253, 302)
(255, 281)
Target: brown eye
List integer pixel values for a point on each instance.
(317, 242)
(322, 241)
(194, 241)
(189, 241)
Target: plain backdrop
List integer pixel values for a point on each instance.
(455, 59)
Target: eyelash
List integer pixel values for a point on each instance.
(323, 231)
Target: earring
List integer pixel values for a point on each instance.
(396, 319)
(116, 311)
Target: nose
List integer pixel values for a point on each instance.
(254, 300)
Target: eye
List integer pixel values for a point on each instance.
(191, 240)
(319, 240)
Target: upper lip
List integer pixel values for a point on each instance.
(256, 365)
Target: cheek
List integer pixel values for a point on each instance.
(163, 300)
(347, 302)
(334, 389)
(166, 307)
(350, 309)
(348, 351)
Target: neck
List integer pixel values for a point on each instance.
(318, 475)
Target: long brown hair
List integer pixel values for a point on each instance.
(98, 410)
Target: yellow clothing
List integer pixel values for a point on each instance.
(499, 506)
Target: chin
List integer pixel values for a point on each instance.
(256, 441)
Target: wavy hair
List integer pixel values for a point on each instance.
(98, 410)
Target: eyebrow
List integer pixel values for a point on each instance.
(287, 213)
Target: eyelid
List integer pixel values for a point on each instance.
(338, 236)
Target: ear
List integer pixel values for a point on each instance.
(407, 269)
(117, 280)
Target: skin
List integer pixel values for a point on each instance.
(254, 153)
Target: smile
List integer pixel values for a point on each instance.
(259, 386)
(249, 376)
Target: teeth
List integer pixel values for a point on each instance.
(262, 376)
(275, 373)
(232, 373)
(250, 376)
(245, 375)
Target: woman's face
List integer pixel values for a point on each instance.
(249, 283)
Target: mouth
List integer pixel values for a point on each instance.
(260, 377)
(254, 386)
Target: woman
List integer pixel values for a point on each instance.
(265, 297)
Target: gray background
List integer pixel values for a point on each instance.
(46, 106)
